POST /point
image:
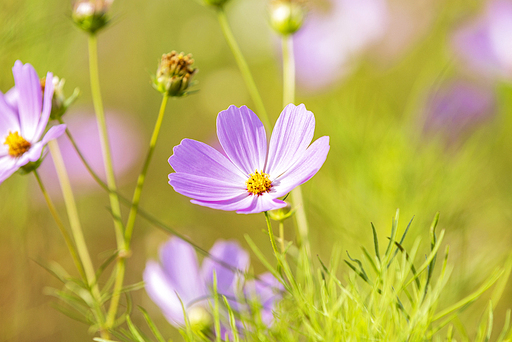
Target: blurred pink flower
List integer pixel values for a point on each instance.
(126, 144)
(484, 43)
(458, 108)
(330, 39)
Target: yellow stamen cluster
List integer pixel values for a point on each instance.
(258, 183)
(17, 144)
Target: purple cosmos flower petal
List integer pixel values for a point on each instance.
(243, 138)
(47, 107)
(163, 294)
(230, 253)
(292, 134)
(7, 167)
(11, 97)
(30, 98)
(204, 188)
(266, 290)
(179, 262)
(306, 168)
(197, 158)
(261, 203)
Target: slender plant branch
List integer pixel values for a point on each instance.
(109, 171)
(62, 228)
(242, 65)
(142, 176)
(76, 229)
(289, 97)
(105, 145)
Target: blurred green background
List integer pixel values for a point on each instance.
(381, 157)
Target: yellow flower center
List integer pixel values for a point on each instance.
(258, 183)
(17, 144)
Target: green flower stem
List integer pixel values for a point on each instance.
(281, 235)
(242, 65)
(105, 145)
(140, 181)
(289, 97)
(62, 228)
(111, 182)
(76, 229)
(271, 235)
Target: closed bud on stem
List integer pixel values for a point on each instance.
(286, 16)
(174, 74)
(91, 15)
(282, 213)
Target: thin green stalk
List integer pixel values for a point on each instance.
(142, 176)
(105, 145)
(243, 66)
(62, 228)
(111, 182)
(76, 229)
(271, 235)
(289, 97)
(74, 220)
(281, 235)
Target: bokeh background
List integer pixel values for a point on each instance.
(415, 95)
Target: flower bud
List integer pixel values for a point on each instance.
(91, 15)
(282, 213)
(60, 103)
(286, 16)
(174, 74)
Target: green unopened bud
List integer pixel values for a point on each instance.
(215, 3)
(91, 15)
(174, 74)
(60, 103)
(282, 213)
(286, 16)
(199, 318)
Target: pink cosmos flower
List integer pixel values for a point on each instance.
(24, 115)
(178, 279)
(484, 43)
(251, 178)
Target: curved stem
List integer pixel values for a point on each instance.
(63, 230)
(142, 176)
(289, 97)
(242, 65)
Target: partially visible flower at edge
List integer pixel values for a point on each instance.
(484, 44)
(251, 178)
(178, 282)
(24, 116)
